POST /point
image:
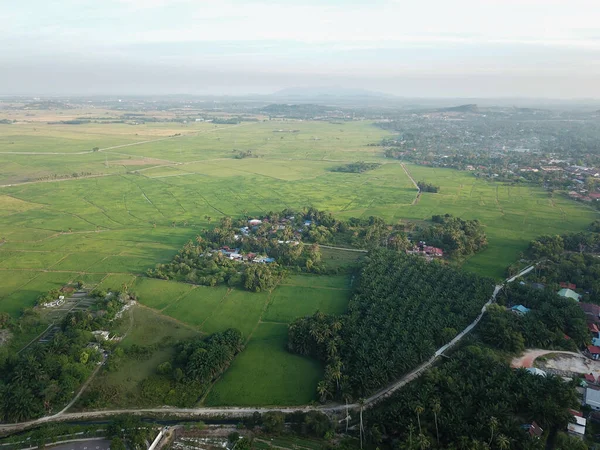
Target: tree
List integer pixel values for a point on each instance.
(423, 441)
(116, 443)
(273, 421)
(323, 390)
(419, 410)
(361, 403)
(436, 407)
(493, 428)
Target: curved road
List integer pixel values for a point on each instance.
(245, 411)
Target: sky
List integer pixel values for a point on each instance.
(409, 48)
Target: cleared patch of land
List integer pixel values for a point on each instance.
(290, 302)
(267, 374)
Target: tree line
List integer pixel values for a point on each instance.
(403, 309)
(356, 167)
(428, 187)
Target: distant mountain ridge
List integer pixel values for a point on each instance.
(469, 108)
(326, 92)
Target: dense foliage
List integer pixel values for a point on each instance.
(197, 363)
(552, 322)
(457, 237)
(356, 167)
(569, 258)
(42, 378)
(472, 401)
(428, 187)
(242, 154)
(194, 264)
(403, 310)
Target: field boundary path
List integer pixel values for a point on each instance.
(416, 200)
(244, 411)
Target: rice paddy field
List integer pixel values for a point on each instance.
(70, 213)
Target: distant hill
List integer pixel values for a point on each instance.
(470, 108)
(301, 111)
(327, 92)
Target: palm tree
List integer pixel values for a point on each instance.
(423, 441)
(493, 427)
(323, 390)
(436, 407)
(503, 442)
(361, 403)
(419, 410)
(199, 239)
(411, 430)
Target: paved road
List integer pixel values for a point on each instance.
(241, 412)
(96, 444)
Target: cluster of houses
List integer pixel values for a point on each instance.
(426, 250)
(235, 255)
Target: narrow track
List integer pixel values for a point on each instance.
(244, 411)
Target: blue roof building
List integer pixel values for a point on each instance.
(520, 309)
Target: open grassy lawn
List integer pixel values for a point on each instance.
(267, 374)
(197, 305)
(116, 281)
(159, 294)
(290, 302)
(336, 258)
(239, 309)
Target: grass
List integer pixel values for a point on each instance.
(267, 374)
(290, 302)
(27, 295)
(115, 281)
(336, 258)
(125, 381)
(108, 230)
(239, 309)
(197, 305)
(159, 294)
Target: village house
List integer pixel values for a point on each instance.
(593, 351)
(520, 310)
(591, 397)
(569, 293)
(533, 429)
(567, 285)
(577, 429)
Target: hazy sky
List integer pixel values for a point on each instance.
(476, 48)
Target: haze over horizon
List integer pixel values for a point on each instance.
(432, 48)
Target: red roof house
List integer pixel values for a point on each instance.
(567, 285)
(433, 251)
(589, 378)
(593, 352)
(593, 328)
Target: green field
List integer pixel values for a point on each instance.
(145, 201)
(267, 374)
(290, 302)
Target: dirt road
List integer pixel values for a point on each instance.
(240, 412)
